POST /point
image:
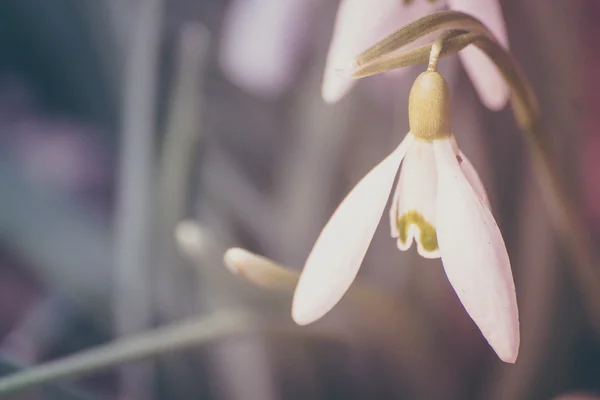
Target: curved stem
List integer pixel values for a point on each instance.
(420, 55)
(436, 50)
(445, 20)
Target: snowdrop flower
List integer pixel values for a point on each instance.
(360, 23)
(439, 203)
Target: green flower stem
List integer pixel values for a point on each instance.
(445, 20)
(179, 152)
(456, 41)
(464, 30)
(436, 49)
(135, 187)
(173, 337)
(183, 128)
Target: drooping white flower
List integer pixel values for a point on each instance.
(439, 203)
(360, 23)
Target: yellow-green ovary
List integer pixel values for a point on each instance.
(427, 233)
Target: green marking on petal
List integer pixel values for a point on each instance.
(427, 233)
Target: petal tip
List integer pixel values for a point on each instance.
(234, 257)
(335, 87)
(506, 342)
(509, 356)
(302, 315)
(496, 103)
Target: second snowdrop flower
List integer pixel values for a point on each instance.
(353, 33)
(439, 203)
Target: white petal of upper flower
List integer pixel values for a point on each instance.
(487, 11)
(338, 252)
(260, 43)
(475, 257)
(491, 87)
(413, 211)
(473, 178)
(360, 24)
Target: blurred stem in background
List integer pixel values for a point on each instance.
(55, 390)
(220, 325)
(135, 188)
(179, 151)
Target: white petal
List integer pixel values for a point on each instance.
(473, 178)
(475, 257)
(338, 253)
(487, 11)
(491, 87)
(360, 24)
(413, 211)
(260, 43)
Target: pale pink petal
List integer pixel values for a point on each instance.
(260, 43)
(475, 257)
(491, 87)
(414, 203)
(338, 252)
(473, 178)
(360, 24)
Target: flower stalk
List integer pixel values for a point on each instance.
(436, 50)
(441, 21)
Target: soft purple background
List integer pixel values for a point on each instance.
(270, 170)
